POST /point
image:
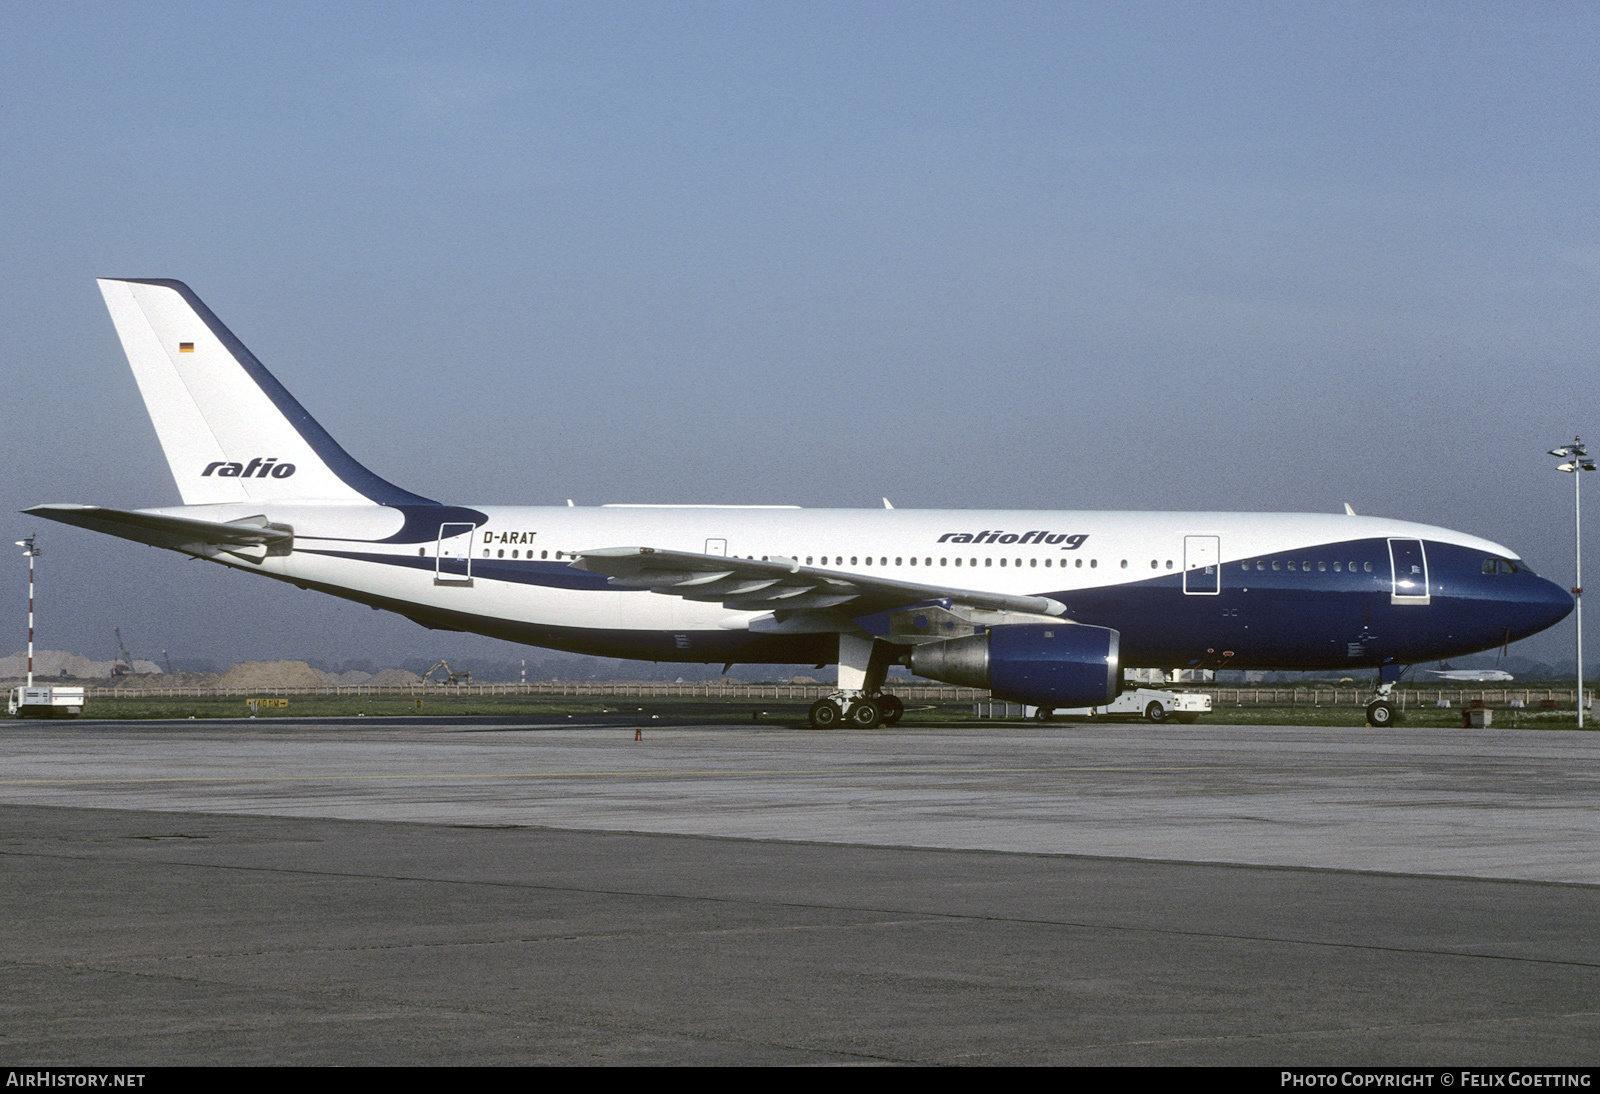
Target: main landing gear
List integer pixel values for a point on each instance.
(860, 701)
(859, 712)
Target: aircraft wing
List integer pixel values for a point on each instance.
(782, 584)
(252, 537)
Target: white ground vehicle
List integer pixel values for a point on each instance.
(1151, 704)
(45, 702)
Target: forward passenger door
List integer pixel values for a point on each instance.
(1408, 570)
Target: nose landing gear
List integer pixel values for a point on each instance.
(1381, 710)
(1381, 714)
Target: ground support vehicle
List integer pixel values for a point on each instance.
(1151, 704)
(45, 702)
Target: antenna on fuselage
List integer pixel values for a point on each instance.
(1349, 511)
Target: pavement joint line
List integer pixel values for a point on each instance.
(697, 773)
(876, 923)
(815, 906)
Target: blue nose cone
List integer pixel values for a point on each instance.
(1537, 605)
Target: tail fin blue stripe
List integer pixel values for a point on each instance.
(340, 462)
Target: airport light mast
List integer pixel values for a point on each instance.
(1577, 457)
(30, 549)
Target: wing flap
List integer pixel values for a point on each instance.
(745, 584)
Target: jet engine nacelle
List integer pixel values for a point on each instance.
(1045, 664)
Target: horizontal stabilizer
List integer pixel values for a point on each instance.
(251, 537)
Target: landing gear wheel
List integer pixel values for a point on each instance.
(825, 714)
(864, 714)
(892, 709)
(1044, 714)
(1155, 712)
(1382, 714)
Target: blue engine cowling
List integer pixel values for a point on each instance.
(1045, 664)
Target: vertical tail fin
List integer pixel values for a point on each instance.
(231, 432)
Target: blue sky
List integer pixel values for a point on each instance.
(1229, 256)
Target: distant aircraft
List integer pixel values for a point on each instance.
(1042, 608)
(1470, 676)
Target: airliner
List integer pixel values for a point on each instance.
(1470, 676)
(1040, 607)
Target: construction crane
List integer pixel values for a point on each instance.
(123, 667)
(454, 677)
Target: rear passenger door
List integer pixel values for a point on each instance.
(1202, 565)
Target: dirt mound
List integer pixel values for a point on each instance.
(56, 663)
(345, 679)
(394, 678)
(271, 674)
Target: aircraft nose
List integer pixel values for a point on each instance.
(1543, 604)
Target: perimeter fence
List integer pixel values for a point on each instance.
(908, 691)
